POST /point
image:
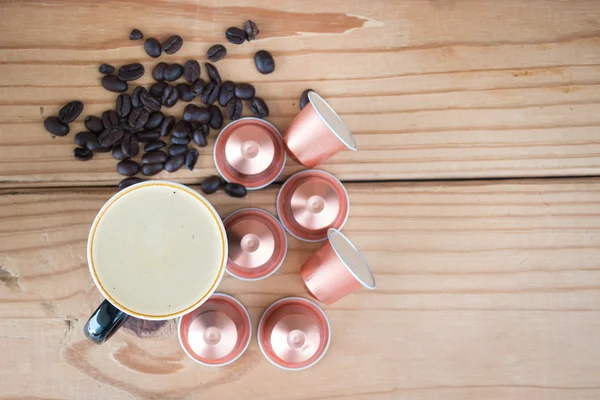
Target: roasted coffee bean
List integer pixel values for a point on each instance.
(182, 129)
(264, 62)
(216, 53)
(258, 107)
(213, 73)
(177, 149)
(128, 168)
(118, 154)
(235, 35)
(226, 92)
(138, 117)
(130, 145)
(191, 158)
(131, 72)
(172, 44)
(157, 89)
(193, 113)
(125, 183)
(210, 93)
(180, 140)
(152, 169)
(70, 112)
(204, 128)
(167, 126)
(235, 189)
(173, 72)
(198, 86)
(148, 136)
(199, 138)
(174, 163)
(136, 34)
(304, 98)
(234, 109)
(93, 124)
(135, 96)
(82, 138)
(211, 184)
(156, 118)
(106, 69)
(154, 157)
(124, 123)
(244, 91)
(191, 71)
(111, 136)
(123, 105)
(155, 145)
(110, 119)
(153, 47)
(150, 103)
(113, 84)
(96, 147)
(82, 153)
(251, 30)
(170, 96)
(158, 73)
(216, 117)
(185, 92)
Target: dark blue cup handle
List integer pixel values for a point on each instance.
(104, 322)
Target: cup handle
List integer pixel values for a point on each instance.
(104, 322)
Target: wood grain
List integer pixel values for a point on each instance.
(436, 89)
(485, 290)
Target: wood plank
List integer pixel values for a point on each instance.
(485, 290)
(438, 89)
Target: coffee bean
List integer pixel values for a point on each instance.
(158, 73)
(82, 153)
(96, 147)
(177, 149)
(170, 96)
(191, 71)
(131, 72)
(157, 89)
(211, 184)
(251, 30)
(130, 145)
(118, 154)
(191, 158)
(172, 44)
(244, 91)
(93, 124)
(124, 123)
(210, 93)
(106, 69)
(167, 126)
(155, 145)
(70, 112)
(110, 119)
(138, 117)
(216, 53)
(152, 47)
(258, 107)
(123, 105)
(180, 140)
(235, 35)
(152, 169)
(185, 92)
(149, 102)
(154, 157)
(135, 96)
(128, 168)
(136, 34)
(111, 136)
(173, 72)
(226, 92)
(234, 108)
(264, 62)
(235, 190)
(174, 163)
(113, 84)
(156, 118)
(182, 129)
(193, 113)
(82, 138)
(148, 136)
(125, 183)
(213, 73)
(204, 128)
(199, 138)
(304, 98)
(216, 117)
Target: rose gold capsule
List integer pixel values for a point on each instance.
(317, 133)
(249, 151)
(217, 333)
(294, 333)
(336, 269)
(257, 244)
(310, 202)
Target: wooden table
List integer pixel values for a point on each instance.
(474, 196)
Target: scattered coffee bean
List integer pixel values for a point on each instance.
(170, 96)
(226, 93)
(177, 149)
(110, 119)
(174, 163)
(156, 118)
(158, 73)
(172, 44)
(167, 126)
(191, 71)
(130, 145)
(155, 145)
(191, 158)
(124, 123)
(304, 98)
(244, 91)
(148, 136)
(118, 154)
(180, 140)
(197, 87)
(113, 84)
(235, 35)
(152, 169)
(216, 117)
(150, 103)
(216, 53)
(82, 153)
(70, 112)
(173, 72)
(157, 89)
(185, 92)
(153, 47)
(199, 138)
(182, 129)
(106, 69)
(123, 105)
(210, 93)
(234, 108)
(251, 30)
(154, 157)
(125, 183)
(204, 128)
(110, 136)
(93, 124)
(96, 147)
(258, 107)
(138, 117)
(131, 72)
(82, 138)
(193, 113)
(213, 73)
(264, 62)
(136, 34)
(135, 96)
(128, 168)
(235, 189)
(211, 184)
